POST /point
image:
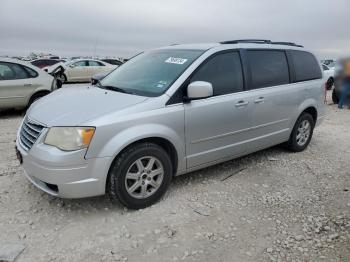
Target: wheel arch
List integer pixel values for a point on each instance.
(160, 141)
(312, 111)
(164, 136)
(42, 92)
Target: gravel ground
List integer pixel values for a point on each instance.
(269, 206)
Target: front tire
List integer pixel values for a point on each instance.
(140, 176)
(302, 133)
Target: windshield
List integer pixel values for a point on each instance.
(151, 73)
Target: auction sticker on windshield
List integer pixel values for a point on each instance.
(175, 60)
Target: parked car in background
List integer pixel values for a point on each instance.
(82, 70)
(21, 83)
(328, 73)
(112, 61)
(42, 63)
(170, 111)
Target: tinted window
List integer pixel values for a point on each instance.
(306, 66)
(95, 63)
(268, 68)
(223, 71)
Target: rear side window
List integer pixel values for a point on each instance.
(306, 66)
(11, 71)
(268, 68)
(223, 71)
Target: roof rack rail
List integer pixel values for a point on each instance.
(259, 41)
(255, 41)
(286, 43)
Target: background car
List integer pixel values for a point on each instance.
(82, 70)
(328, 76)
(44, 62)
(21, 83)
(112, 61)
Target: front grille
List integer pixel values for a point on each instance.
(30, 132)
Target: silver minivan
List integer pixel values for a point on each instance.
(167, 112)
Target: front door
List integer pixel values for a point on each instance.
(217, 128)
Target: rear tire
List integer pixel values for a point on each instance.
(137, 182)
(335, 97)
(302, 133)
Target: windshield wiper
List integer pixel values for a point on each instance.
(115, 88)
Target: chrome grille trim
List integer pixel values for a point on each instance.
(30, 131)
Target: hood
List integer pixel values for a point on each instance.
(72, 106)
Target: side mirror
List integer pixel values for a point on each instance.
(199, 89)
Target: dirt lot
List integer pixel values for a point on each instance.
(280, 207)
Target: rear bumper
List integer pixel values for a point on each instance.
(64, 174)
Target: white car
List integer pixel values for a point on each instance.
(21, 83)
(328, 73)
(81, 70)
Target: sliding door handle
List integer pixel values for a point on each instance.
(259, 100)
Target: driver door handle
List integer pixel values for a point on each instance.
(241, 103)
(27, 84)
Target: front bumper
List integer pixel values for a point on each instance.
(64, 174)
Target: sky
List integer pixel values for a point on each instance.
(123, 28)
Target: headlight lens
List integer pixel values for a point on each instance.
(69, 138)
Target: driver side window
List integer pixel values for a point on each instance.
(223, 71)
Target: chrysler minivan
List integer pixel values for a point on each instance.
(167, 112)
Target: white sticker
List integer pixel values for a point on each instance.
(175, 60)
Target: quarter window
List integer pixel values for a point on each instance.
(223, 71)
(32, 73)
(306, 66)
(268, 68)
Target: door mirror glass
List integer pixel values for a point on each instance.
(199, 89)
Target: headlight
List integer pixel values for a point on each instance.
(69, 138)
